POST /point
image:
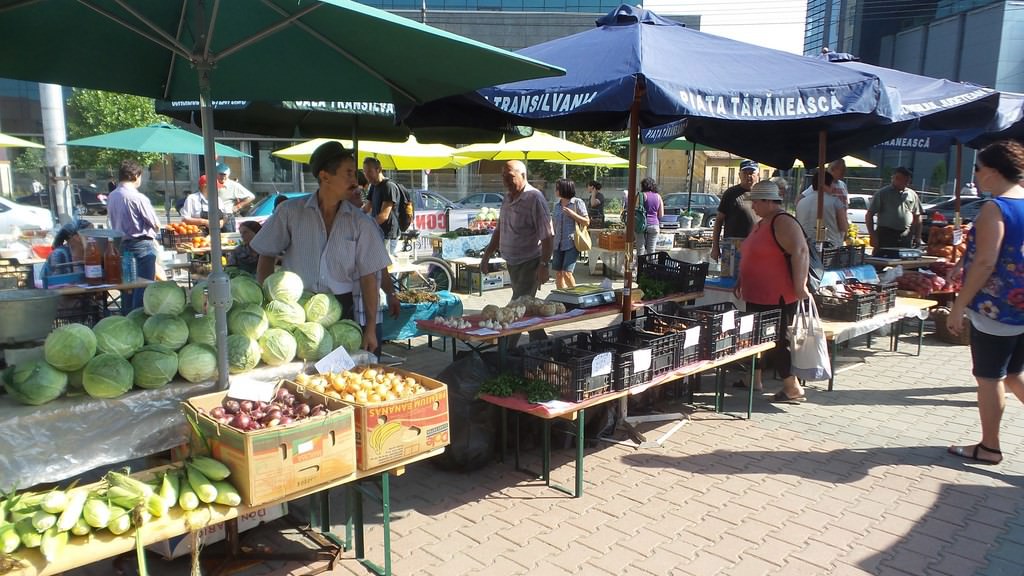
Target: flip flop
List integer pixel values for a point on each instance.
(962, 452)
(781, 397)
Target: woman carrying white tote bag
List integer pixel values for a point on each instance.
(808, 344)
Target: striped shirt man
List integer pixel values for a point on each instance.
(327, 263)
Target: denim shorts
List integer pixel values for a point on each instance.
(564, 260)
(996, 356)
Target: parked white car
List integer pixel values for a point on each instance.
(14, 215)
(856, 210)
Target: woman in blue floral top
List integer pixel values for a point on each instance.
(993, 293)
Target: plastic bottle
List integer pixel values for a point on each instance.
(93, 262)
(128, 274)
(112, 264)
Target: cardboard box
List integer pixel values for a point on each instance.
(182, 545)
(423, 421)
(491, 281)
(271, 464)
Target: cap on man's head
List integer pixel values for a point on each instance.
(324, 153)
(764, 190)
(748, 165)
(223, 168)
(202, 181)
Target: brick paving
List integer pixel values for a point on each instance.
(854, 481)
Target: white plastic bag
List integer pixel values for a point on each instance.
(808, 345)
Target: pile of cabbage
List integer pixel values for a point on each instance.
(173, 335)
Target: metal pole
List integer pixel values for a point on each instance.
(689, 176)
(51, 101)
(167, 207)
(819, 226)
(956, 184)
(634, 137)
(218, 285)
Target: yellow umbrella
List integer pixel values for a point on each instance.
(598, 162)
(540, 146)
(12, 142)
(408, 155)
(851, 162)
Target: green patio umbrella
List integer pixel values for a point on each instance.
(243, 50)
(159, 138)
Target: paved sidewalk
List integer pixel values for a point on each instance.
(854, 481)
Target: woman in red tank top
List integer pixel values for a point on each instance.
(773, 276)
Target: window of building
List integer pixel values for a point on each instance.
(714, 173)
(732, 176)
(269, 168)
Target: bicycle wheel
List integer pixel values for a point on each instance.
(438, 272)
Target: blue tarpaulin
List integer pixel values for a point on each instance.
(404, 326)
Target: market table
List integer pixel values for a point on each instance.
(838, 332)
(480, 339)
(906, 263)
(73, 435)
(550, 411)
(81, 551)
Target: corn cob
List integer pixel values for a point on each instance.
(187, 498)
(53, 543)
(205, 490)
(72, 511)
(54, 502)
(96, 513)
(9, 539)
(213, 469)
(30, 537)
(43, 521)
(227, 494)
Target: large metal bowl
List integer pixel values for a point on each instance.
(26, 315)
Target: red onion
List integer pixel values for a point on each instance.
(217, 412)
(246, 406)
(231, 406)
(241, 421)
(301, 410)
(285, 420)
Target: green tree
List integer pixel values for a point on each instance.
(93, 112)
(30, 161)
(939, 175)
(550, 171)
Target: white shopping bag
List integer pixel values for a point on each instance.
(808, 345)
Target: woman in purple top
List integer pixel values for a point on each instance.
(655, 210)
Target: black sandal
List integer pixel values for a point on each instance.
(782, 397)
(973, 455)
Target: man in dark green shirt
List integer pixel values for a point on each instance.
(898, 210)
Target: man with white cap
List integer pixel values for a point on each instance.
(231, 193)
(735, 216)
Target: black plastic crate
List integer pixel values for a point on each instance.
(685, 278)
(885, 293)
(567, 364)
(641, 333)
(854, 256)
(715, 339)
(14, 275)
(767, 326)
(170, 240)
(80, 310)
(833, 258)
(846, 307)
(746, 338)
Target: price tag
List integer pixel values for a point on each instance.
(692, 337)
(242, 388)
(601, 365)
(729, 321)
(746, 324)
(641, 360)
(336, 361)
(958, 236)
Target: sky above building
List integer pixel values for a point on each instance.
(775, 24)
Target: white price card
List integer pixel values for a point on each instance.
(746, 324)
(601, 365)
(483, 332)
(729, 321)
(336, 361)
(525, 322)
(958, 236)
(692, 337)
(641, 360)
(242, 388)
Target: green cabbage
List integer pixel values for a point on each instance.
(108, 376)
(166, 330)
(283, 314)
(75, 380)
(348, 334)
(163, 298)
(243, 353)
(138, 316)
(247, 319)
(278, 347)
(203, 330)
(154, 366)
(35, 382)
(197, 297)
(69, 347)
(306, 295)
(118, 335)
(197, 363)
(313, 341)
(322, 309)
(246, 290)
(283, 285)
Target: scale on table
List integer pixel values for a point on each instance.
(899, 253)
(583, 296)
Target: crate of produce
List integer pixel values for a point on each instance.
(14, 275)
(886, 294)
(653, 326)
(767, 326)
(82, 310)
(642, 354)
(567, 364)
(840, 304)
(272, 463)
(718, 325)
(833, 258)
(854, 256)
(746, 330)
(387, 431)
(679, 277)
(612, 240)
(699, 239)
(630, 365)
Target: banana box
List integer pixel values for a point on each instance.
(270, 464)
(391, 431)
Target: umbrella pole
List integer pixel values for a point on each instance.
(627, 272)
(956, 184)
(218, 285)
(167, 209)
(819, 225)
(689, 178)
